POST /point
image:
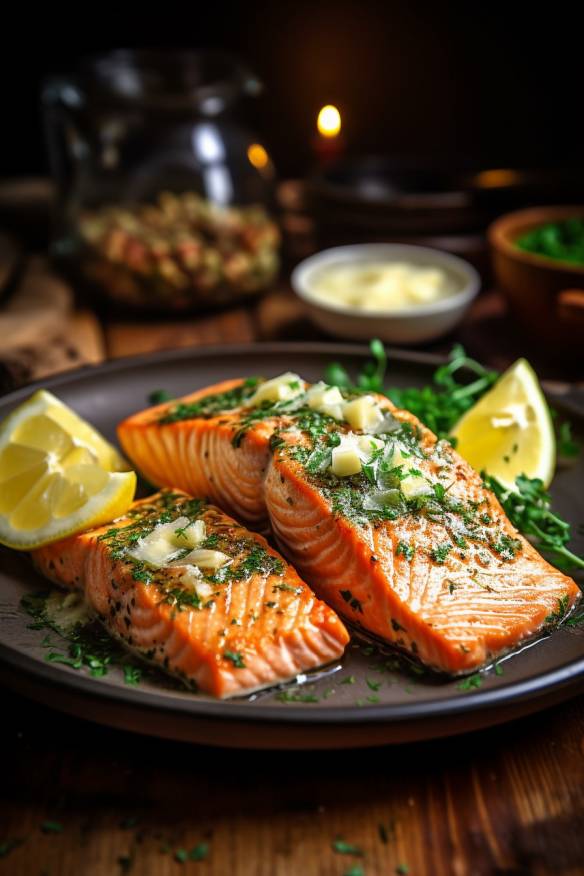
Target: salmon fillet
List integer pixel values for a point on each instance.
(443, 574)
(250, 624)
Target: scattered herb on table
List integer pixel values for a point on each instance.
(125, 863)
(356, 870)
(52, 827)
(343, 848)
(198, 853)
(7, 846)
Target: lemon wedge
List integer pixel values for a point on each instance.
(509, 431)
(58, 475)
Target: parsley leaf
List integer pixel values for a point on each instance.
(236, 657)
(343, 848)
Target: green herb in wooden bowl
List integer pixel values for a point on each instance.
(563, 241)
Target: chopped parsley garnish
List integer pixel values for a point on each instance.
(257, 561)
(158, 396)
(236, 658)
(559, 614)
(296, 696)
(211, 405)
(405, 550)
(471, 682)
(132, 675)
(88, 647)
(181, 599)
(286, 588)
(440, 553)
(506, 547)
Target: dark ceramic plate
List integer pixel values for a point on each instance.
(384, 704)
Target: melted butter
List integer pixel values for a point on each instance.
(381, 285)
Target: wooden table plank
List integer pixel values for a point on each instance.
(134, 338)
(509, 800)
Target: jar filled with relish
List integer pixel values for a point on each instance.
(164, 196)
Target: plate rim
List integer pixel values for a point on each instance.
(505, 694)
(528, 689)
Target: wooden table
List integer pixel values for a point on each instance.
(505, 801)
(77, 799)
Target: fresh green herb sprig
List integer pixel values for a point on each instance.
(568, 447)
(528, 507)
(369, 379)
(439, 406)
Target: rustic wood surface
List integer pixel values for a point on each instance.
(77, 799)
(506, 802)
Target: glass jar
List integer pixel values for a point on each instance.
(164, 198)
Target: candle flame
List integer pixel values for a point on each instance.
(329, 121)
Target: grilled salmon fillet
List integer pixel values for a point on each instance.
(411, 547)
(199, 454)
(247, 623)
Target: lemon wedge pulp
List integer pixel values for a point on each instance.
(58, 475)
(509, 431)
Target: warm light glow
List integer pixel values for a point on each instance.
(329, 121)
(257, 156)
(496, 178)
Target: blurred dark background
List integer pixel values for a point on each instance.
(495, 84)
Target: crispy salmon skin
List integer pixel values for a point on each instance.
(239, 621)
(408, 543)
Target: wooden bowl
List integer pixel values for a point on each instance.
(545, 295)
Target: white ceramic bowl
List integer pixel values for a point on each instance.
(408, 325)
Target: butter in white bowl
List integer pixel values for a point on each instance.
(381, 285)
(397, 292)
